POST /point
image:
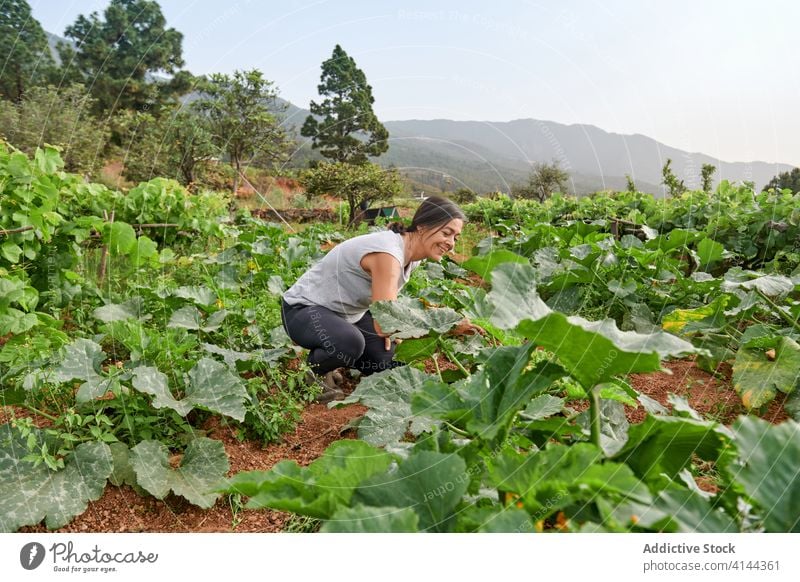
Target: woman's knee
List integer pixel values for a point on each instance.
(348, 347)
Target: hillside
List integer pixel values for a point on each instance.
(487, 156)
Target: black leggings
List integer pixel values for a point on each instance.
(335, 343)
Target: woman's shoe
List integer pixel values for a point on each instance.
(328, 383)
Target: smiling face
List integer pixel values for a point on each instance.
(438, 241)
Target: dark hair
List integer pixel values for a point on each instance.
(435, 211)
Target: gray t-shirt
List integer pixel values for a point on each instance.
(338, 282)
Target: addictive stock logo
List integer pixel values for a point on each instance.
(31, 555)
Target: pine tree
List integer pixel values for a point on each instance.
(117, 56)
(24, 49)
(343, 126)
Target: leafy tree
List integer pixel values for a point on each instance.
(670, 180)
(117, 57)
(343, 126)
(464, 196)
(240, 116)
(706, 173)
(23, 46)
(60, 118)
(173, 145)
(358, 184)
(542, 182)
(789, 179)
(631, 185)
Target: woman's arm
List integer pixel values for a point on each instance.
(385, 272)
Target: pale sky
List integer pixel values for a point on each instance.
(722, 78)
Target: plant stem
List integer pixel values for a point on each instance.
(458, 431)
(733, 331)
(436, 364)
(452, 358)
(783, 315)
(39, 412)
(594, 415)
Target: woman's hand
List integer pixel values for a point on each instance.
(386, 337)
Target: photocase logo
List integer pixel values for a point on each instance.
(31, 555)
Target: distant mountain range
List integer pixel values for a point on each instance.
(488, 156)
(491, 155)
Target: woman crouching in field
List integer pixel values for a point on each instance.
(327, 309)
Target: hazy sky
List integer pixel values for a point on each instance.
(722, 78)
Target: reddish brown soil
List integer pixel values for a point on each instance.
(121, 509)
(714, 398)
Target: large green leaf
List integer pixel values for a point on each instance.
(363, 519)
(200, 294)
(131, 309)
(770, 285)
(558, 476)
(16, 322)
(709, 317)
(189, 317)
(388, 397)
(413, 350)
(543, 406)
(709, 251)
(495, 519)
(211, 385)
(214, 387)
(484, 265)
(768, 469)
(428, 482)
(150, 381)
(666, 444)
(120, 238)
(595, 352)
(318, 490)
(200, 472)
(81, 361)
(513, 296)
(672, 510)
(406, 318)
(676, 238)
(485, 403)
(758, 376)
(31, 493)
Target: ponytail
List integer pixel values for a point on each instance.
(400, 228)
(434, 212)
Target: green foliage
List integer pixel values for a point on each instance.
(241, 122)
(115, 55)
(26, 56)
(543, 181)
(758, 374)
(357, 184)
(464, 196)
(706, 173)
(343, 126)
(670, 181)
(631, 185)
(388, 397)
(194, 474)
(789, 180)
(766, 468)
(317, 490)
(176, 144)
(30, 492)
(57, 117)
